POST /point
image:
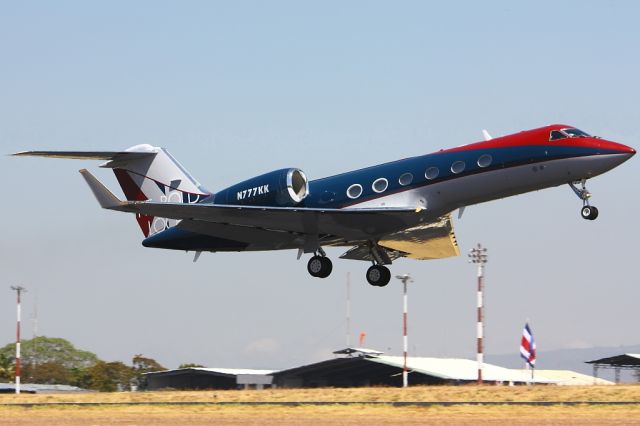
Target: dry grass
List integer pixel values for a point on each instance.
(333, 414)
(418, 393)
(324, 415)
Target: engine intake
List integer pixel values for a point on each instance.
(280, 188)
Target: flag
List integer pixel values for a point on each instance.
(528, 346)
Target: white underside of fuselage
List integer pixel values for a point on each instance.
(443, 197)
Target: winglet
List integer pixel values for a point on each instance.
(105, 197)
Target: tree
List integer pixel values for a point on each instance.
(190, 365)
(50, 372)
(42, 349)
(142, 365)
(6, 368)
(107, 376)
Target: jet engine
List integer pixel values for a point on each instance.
(280, 188)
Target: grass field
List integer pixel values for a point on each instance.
(333, 414)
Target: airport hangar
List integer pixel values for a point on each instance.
(357, 367)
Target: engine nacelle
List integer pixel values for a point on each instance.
(280, 188)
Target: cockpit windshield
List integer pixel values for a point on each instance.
(576, 133)
(567, 133)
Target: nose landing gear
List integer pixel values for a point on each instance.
(588, 211)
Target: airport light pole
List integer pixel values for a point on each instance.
(405, 371)
(478, 255)
(18, 290)
(348, 325)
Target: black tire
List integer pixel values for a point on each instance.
(589, 212)
(314, 266)
(327, 267)
(319, 266)
(378, 275)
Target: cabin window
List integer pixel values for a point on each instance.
(380, 185)
(432, 173)
(457, 167)
(484, 160)
(354, 191)
(405, 179)
(556, 135)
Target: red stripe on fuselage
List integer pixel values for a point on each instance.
(539, 137)
(134, 193)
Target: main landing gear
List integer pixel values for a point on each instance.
(320, 265)
(588, 211)
(378, 275)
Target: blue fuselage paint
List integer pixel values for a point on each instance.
(467, 175)
(331, 192)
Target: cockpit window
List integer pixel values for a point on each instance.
(576, 133)
(567, 133)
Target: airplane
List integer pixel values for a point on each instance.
(397, 209)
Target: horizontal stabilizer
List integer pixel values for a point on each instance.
(105, 197)
(86, 155)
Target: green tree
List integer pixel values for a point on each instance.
(42, 349)
(190, 365)
(142, 365)
(107, 376)
(6, 369)
(50, 372)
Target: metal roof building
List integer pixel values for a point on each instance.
(207, 378)
(37, 388)
(368, 369)
(617, 363)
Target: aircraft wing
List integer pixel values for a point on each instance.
(410, 232)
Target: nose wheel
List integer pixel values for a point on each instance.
(588, 211)
(319, 266)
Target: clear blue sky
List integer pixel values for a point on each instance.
(235, 89)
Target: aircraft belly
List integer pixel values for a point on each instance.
(491, 185)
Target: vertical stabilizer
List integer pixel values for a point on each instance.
(157, 177)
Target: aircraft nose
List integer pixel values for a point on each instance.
(619, 148)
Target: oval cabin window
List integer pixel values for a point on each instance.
(457, 167)
(485, 160)
(405, 179)
(380, 185)
(432, 173)
(354, 191)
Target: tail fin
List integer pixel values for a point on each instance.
(144, 172)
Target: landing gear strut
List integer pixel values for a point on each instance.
(588, 211)
(320, 266)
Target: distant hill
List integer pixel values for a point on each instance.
(570, 359)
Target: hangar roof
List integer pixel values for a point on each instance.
(624, 360)
(215, 371)
(568, 377)
(459, 369)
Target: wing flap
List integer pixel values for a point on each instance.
(435, 240)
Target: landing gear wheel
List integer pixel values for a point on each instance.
(378, 275)
(319, 266)
(589, 212)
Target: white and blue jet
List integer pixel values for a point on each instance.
(384, 212)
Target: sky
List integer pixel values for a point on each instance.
(236, 89)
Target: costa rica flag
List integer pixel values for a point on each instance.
(528, 346)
